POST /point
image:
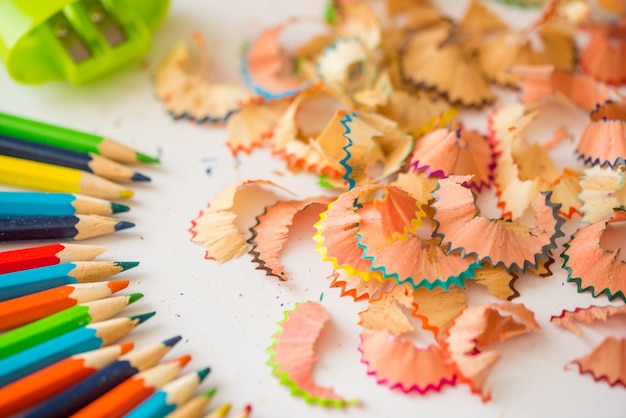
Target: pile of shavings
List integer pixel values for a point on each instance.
(373, 103)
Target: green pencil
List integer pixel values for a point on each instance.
(62, 322)
(69, 139)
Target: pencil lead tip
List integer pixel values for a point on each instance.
(172, 341)
(210, 393)
(142, 317)
(134, 297)
(204, 373)
(140, 177)
(146, 158)
(126, 347)
(119, 208)
(123, 225)
(183, 360)
(127, 265)
(117, 285)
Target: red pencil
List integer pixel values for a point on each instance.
(124, 397)
(46, 255)
(26, 309)
(51, 380)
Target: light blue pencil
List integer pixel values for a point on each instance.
(170, 396)
(55, 204)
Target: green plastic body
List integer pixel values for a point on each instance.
(33, 52)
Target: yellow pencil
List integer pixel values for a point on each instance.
(48, 177)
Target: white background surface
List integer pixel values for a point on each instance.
(227, 313)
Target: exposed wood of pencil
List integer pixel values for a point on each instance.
(78, 227)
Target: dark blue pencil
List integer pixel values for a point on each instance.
(84, 392)
(92, 163)
(89, 337)
(14, 228)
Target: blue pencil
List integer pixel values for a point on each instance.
(59, 227)
(170, 396)
(89, 337)
(83, 393)
(91, 163)
(55, 204)
(26, 282)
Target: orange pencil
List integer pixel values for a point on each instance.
(26, 309)
(124, 397)
(51, 380)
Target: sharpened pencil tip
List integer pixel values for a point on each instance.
(119, 208)
(146, 158)
(142, 317)
(204, 373)
(126, 193)
(127, 265)
(172, 341)
(222, 410)
(126, 347)
(139, 177)
(183, 360)
(123, 225)
(117, 285)
(134, 297)
(209, 393)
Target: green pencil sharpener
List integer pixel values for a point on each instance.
(77, 41)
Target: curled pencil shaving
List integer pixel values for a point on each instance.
(355, 287)
(269, 70)
(568, 319)
(498, 281)
(444, 46)
(305, 119)
(348, 66)
(602, 190)
(459, 152)
(292, 354)
(606, 362)
(271, 231)
(512, 245)
(360, 20)
(525, 170)
(604, 57)
(359, 143)
(437, 308)
(385, 312)
(603, 142)
(182, 82)
(398, 364)
(480, 20)
(593, 268)
(337, 229)
(216, 227)
(539, 82)
(547, 41)
(476, 328)
(252, 124)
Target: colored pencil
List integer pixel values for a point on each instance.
(25, 309)
(55, 204)
(89, 337)
(46, 255)
(40, 385)
(26, 336)
(89, 162)
(194, 407)
(88, 390)
(76, 227)
(25, 282)
(52, 178)
(124, 397)
(170, 396)
(220, 412)
(69, 139)
(245, 412)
